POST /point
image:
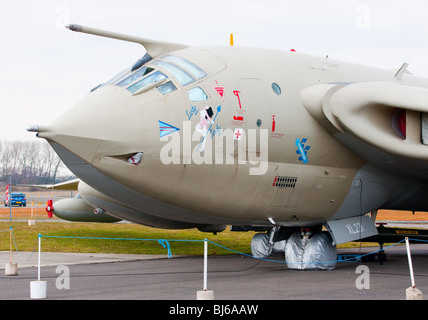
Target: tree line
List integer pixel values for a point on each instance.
(31, 162)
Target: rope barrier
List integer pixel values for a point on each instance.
(166, 244)
(16, 247)
(420, 240)
(19, 253)
(309, 263)
(162, 242)
(38, 288)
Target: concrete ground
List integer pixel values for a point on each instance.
(231, 278)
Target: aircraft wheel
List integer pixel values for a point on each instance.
(260, 247)
(311, 253)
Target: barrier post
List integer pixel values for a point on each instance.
(205, 294)
(39, 257)
(205, 265)
(32, 222)
(38, 288)
(10, 269)
(10, 244)
(409, 258)
(412, 293)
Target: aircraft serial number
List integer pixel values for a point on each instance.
(355, 228)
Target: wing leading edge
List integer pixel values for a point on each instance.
(67, 185)
(363, 115)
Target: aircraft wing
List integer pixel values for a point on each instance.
(383, 122)
(67, 185)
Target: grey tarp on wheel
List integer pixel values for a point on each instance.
(260, 247)
(315, 253)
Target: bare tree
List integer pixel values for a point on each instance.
(30, 162)
(52, 162)
(6, 159)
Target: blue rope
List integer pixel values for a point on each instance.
(163, 242)
(245, 254)
(97, 238)
(418, 240)
(327, 262)
(166, 245)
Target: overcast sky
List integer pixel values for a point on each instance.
(46, 69)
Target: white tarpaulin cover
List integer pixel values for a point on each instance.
(315, 253)
(260, 247)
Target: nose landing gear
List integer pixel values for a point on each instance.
(304, 249)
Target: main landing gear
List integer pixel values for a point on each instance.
(304, 248)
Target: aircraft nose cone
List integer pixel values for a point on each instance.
(39, 129)
(96, 126)
(33, 128)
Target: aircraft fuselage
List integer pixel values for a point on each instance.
(235, 146)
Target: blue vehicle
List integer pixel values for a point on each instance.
(17, 199)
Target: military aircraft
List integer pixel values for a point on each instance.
(258, 139)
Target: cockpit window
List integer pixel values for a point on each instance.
(151, 79)
(186, 65)
(197, 94)
(135, 76)
(141, 62)
(141, 77)
(182, 76)
(125, 73)
(167, 88)
(115, 78)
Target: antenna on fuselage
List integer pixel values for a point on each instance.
(401, 71)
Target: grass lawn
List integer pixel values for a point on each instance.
(26, 236)
(26, 239)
